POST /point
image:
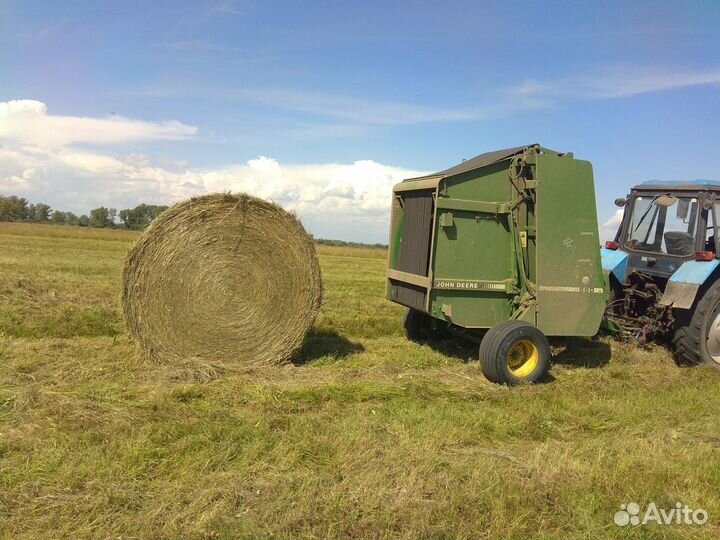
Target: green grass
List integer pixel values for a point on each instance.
(364, 436)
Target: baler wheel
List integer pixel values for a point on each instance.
(420, 326)
(514, 352)
(413, 324)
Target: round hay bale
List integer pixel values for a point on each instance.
(222, 277)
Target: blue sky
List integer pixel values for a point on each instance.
(321, 106)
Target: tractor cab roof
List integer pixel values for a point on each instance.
(680, 185)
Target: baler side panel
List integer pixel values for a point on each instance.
(472, 255)
(571, 295)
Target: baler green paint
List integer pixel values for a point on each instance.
(514, 236)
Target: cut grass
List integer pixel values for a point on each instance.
(365, 436)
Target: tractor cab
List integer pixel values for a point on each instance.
(666, 224)
(663, 269)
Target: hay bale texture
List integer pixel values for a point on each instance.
(222, 277)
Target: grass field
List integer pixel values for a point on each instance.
(364, 436)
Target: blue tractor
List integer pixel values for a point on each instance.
(662, 268)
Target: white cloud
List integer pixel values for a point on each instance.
(358, 110)
(349, 201)
(94, 163)
(336, 200)
(609, 228)
(18, 182)
(42, 155)
(233, 7)
(354, 115)
(614, 83)
(27, 121)
(361, 189)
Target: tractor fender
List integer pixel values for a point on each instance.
(614, 262)
(683, 285)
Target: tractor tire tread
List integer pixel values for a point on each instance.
(689, 337)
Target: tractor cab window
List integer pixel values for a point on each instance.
(663, 224)
(710, 229)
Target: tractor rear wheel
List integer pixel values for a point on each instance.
(514, 352)
(697, 338)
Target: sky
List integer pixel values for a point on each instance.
(321, 106)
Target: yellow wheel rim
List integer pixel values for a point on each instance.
(523, 358)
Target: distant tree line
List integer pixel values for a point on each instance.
(343, 243)
(13, 208)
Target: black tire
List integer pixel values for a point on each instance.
(691, 336)
(414, 323)
(503, 341)
(420, 326)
